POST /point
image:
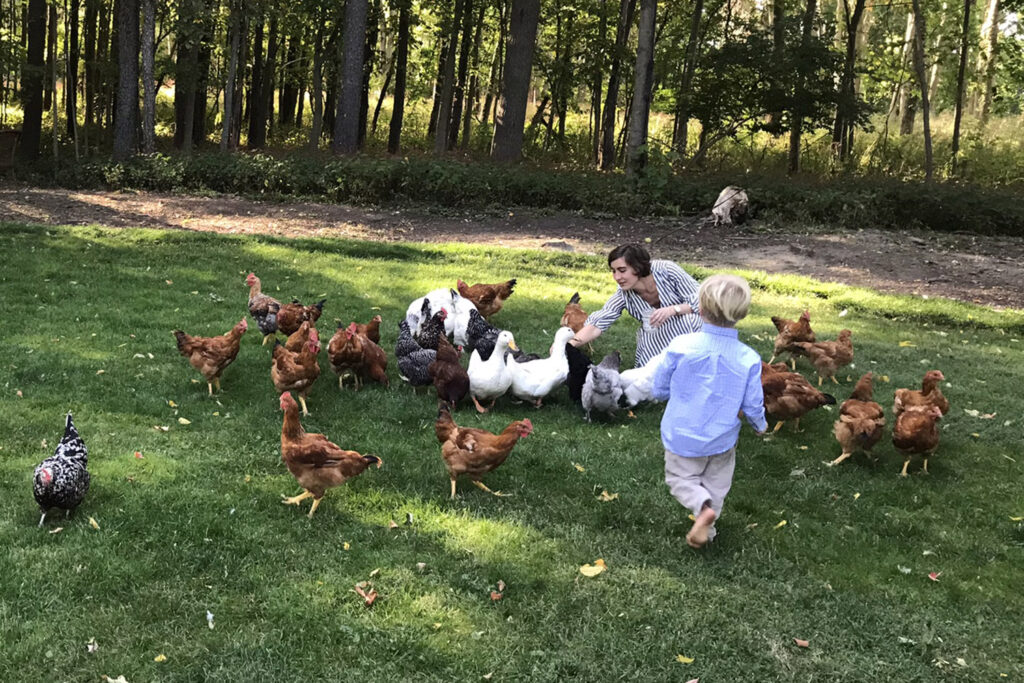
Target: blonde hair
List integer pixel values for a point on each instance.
(724, 299)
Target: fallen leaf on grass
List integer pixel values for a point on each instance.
(19, 394)
(93, 523)
(100, 372)
(683, 659)
(119, 679)
(751, 526)
(160, 658)
(495, 596)
(91, 646)
(183, 421)
(421, 566)
(437, 625)
(375, 572)
(934, 576)
(209, 619)
(856, 496)
(928, 552)
(161, 428)
(1017, 519)
(781, 524)
(884, 378)
(345, 545)
(172, 403)
(976, 435)
(907, 343)
(591, 570)
(57, 530)
(368, 596)
(960, 661)
(801, 643)
(606, 497)
(579, 467)
(842, 313)
(903, 570)
(501, 585)
(802, 448)
(392, 524)
(138, 455)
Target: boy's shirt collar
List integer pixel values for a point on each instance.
(720, 331)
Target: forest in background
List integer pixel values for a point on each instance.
(917, 89)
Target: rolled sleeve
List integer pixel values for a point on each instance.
(753, 400)
(609, 313)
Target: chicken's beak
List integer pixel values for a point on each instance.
(512, 345)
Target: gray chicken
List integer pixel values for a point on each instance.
(62, 480)
(602, 388)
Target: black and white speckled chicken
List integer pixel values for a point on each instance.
(62, 480)
(432, 330)
(480, 335)
(262, 308)
(413, 359)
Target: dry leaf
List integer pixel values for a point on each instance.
(160, 658)
(172, 403)
(801, 643)
(961, 661)
(57, 530)
(119, 679)
(594, 569)
(903, 570)
(495, 596)
(392, 524)
(1017, 519)
(367, 596)
(374, 573)
(161, 428)
(972, 413)
(751, 526)
(802, 448)
(976, 435)
(856, 496)
(934, 576)
(884, 378)
(906, 343)
(345, 546)
(92, 646)
(683, 659)
(183, 421)
(842, 313)
(138, 455)
(94, 524)
(579, 467)
(501, 585)
(209, 619)
(606, 497)
(421, 566)
(781, 524)
(19, 394)
(437, 625)
(100, 372)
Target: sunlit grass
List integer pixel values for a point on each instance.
(196, 523)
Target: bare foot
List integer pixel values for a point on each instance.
(698, 536)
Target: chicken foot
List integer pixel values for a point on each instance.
(906, 463)
(841, 458)
(483, 487)
(295, 500)
(479, 408)
(302, 400)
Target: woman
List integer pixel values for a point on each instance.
(657, 293)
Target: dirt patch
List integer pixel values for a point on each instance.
(963, 266)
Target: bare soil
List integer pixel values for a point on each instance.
(975, 268)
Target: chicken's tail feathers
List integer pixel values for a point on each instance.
(319, 305)
(828, 400)
(511, 284)
(575, 298)
(373, 459)
(182, 340)
(779, 322)
(69, 427)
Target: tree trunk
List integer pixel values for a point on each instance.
(32, 82)
(401, 67)
(125, 121)
(908, 100)
(611, 102)
(989, 37)
(636, 144)
(389, 74)
(90, 69)
(290, 92)
(269, 79)
(51, 56)
(460, 82)
(681, 131)
(148, 46)
(199, 92)
(919, 70)
(797, 124)
(372, 23)
(346, 124)
(597, 86)
(494, 78)
(71, 72)
(316, 91)
(847, 95)
(235, 30)
(257, 112)
(960, 74)
(507, 144)
(473, 98)
(444, 107)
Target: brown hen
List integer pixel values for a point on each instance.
(790, 332)
(860, 422)
(351, 353)
(450, 379)
(296, 371)
(475, 452)
(828, 356)
(929, 395)
(488, 299)
(916, 432)
(788, 396)
(291, 316)
(210, 355)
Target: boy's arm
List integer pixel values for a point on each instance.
(662, 384)
(753, 400)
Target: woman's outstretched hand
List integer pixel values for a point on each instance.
(660, 315)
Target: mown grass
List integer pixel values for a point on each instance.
(197, 525)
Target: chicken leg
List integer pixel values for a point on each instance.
(905, 464)
(453, 488)
(312, 509)
(209, 385)
(482, 486)
(216, 383)
(267, 337)
(295, 500)
(302, 400)
(479, 408)
(778, 426)
(841, 458)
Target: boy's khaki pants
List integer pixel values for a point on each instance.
(695, 481)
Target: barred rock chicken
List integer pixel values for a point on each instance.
(860, 422)
(62, 480)
(370, 330)
(316, 463)
(413, 360)
(296, 371)
(917, 432)
(929, 395)
(791, 331)
(262, 308)
(450, 379)
(292, 315)
(828, 356)
(432, 330)
(488, 299)
(603, 387)
(211, 355)
(475, 452)
(788, 396)
(351, 353)
(480, 335)
(299, 338)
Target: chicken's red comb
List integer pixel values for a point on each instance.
(529, 425)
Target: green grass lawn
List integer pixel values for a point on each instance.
(196, 525)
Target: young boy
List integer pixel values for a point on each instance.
(709, 378)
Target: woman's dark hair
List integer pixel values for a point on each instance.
(636, 257)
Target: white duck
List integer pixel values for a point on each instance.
(638, 382)
(457, 307)
(535, 379)
(489, 379)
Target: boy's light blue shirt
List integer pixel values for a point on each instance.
(708, 377)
